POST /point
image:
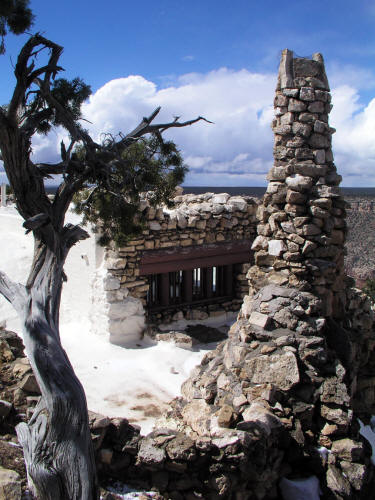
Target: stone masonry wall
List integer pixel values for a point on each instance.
(281, 398)
(301, 357)
(194, 220)
(302, 226)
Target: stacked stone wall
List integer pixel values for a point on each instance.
(286, 394)
(193, 221)
(300, 358)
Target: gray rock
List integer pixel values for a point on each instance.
(150, 454)
(5, 408)
(296, 106)
(259, 319)
(281, 370)
(29, 384)
(276, 247)
(347, 449)
(307, 94)
(301, 129)
(356, 473)
(111, 283)
(262, 416)
(337, 482)
(181, 448)
(319, 141)
(308, 168)
(220, 198)
(10, 485)
(316, 107)
(197, 414)
(334, 391)
(299, 182)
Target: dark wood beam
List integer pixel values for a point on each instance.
(156, 261)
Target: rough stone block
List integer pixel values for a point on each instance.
(316, 107)
(291, 92)
(281, 370)
(296, 106)
(276, 247)
(304, 154)
(310, 169)
(287, 118)
(319, 141)
(301, 129)
(299, 182)
(307, 94)
(111, 283)
(319, 156)
(10, 485)
(259, 319)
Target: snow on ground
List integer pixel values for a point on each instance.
(133, 383)
(368, 432)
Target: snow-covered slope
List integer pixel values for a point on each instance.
(134, 383)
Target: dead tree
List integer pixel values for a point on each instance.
(56, 441)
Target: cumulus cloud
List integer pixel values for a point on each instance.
(354, 140)
(237, 148)
(238, 102)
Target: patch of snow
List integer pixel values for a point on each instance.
(225, 319)
(323, 452)
(300, 489)
(126, 493)
(135, 383)
(368, 432)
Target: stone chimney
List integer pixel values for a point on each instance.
(301, 231)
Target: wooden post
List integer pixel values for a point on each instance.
(228, 279)
(165, 289)
(208, 290)
(3, 195)
(188, 286)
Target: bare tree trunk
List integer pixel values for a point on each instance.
(57, 446)
(56, 442)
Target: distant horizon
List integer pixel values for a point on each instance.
(250, 190)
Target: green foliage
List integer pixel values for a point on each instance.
(16, 17)
(70, 94)
(369, 288)
(111, 204)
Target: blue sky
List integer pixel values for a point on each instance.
(216, 58)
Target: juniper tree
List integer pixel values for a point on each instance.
(16, 17)
(56, 441)
(150, 166)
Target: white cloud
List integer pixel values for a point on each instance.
(354, 140)
(238, 102)
(237, 148)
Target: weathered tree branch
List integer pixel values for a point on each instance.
(57, 444)
(15, 293)
(25, 74)
(145, 127)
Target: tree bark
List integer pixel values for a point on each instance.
(56, 442)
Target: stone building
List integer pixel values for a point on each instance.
(285, 402)
(189, 263)
(291, 392)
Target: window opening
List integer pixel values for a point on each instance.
(191, 286)
(175, 287)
